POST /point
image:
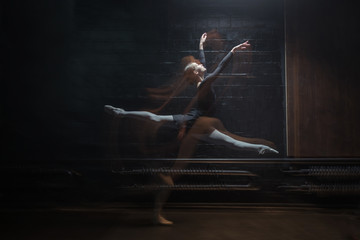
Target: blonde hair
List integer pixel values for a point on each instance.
(191, 66)
(189, 75)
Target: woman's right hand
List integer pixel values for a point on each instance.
(203, 38)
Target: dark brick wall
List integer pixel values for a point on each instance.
(66, 59)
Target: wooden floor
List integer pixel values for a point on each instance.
(128, 223)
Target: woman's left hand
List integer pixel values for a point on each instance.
(242, 46)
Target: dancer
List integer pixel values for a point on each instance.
(197, 122)
(211, 129)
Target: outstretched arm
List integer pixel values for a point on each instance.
(242, 46)
(201, 49)
(211, 77)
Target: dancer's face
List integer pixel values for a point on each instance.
(195, 72)
(199, 69)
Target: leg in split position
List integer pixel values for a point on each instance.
(119, 112)
(220, 138)
(212, 130)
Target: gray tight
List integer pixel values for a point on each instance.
(119, 112)
(205, 128)
(149, 115)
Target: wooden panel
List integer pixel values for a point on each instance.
(322, 79)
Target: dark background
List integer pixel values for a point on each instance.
(64, 60)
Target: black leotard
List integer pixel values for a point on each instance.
(205, 96)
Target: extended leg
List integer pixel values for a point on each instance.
(119, 112)
(249, 140)
(214, 123)
(220, 138)
(212, 130)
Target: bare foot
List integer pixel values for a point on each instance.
(265, 149)
(117, 112)
(160, 220)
